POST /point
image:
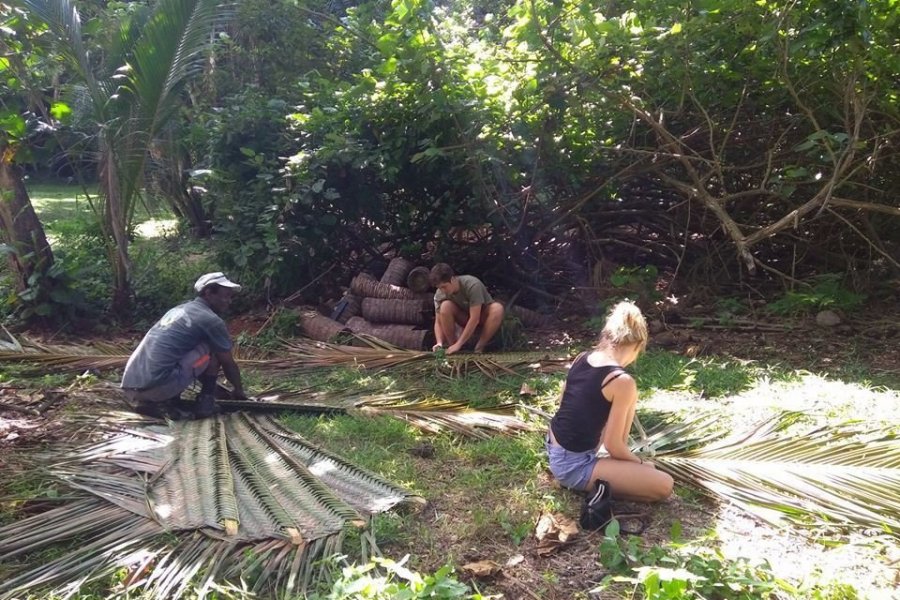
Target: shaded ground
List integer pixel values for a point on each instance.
(453, 528)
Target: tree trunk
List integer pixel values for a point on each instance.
(169, 176)
(21, 229)
(115, 221)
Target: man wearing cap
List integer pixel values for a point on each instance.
(189, 342)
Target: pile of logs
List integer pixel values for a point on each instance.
(398, 308)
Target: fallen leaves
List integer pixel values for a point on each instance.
(554, 531)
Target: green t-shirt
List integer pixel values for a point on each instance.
(471, 293)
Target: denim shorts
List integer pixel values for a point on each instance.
(191, 366)
(571, 469)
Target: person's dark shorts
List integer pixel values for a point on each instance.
(185, 372)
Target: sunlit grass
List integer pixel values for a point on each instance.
(58, 206)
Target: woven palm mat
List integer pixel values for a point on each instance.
(235, 497)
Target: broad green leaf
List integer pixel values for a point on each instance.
(60, 111)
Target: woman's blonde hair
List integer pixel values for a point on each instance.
(625, 325)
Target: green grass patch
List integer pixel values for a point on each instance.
(380, 443)
(710, 376)
(55, 203)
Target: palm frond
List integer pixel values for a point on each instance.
(69, 358)
(62, 17)
(236, 498)
(169, 50)
(435, 415)
(412, 405)
(302, 355)
(833, 475)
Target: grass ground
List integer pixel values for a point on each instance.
(486, 496)
(67, 209)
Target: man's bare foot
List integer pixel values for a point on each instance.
(478, 350)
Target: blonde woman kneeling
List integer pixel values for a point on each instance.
(598, 404)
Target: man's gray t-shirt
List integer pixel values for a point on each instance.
(471, 293)
(178, 332)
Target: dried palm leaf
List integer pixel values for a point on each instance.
(429, 414)
(834, 475)
(235, 498)
(303, 355)
(435, 415)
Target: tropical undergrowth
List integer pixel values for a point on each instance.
(166, 262)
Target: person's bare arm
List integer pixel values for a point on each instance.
(438, 332)
(469, 329)
(232, 373)
(630, 421)
(622, 391)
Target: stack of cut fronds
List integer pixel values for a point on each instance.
(234, 498)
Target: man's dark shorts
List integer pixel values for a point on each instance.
(185, 372)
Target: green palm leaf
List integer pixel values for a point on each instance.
(830, 475)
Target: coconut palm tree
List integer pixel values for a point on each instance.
(130, 95)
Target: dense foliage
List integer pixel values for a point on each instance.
(544, 145)
(564, 139)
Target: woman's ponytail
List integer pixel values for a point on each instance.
(624, 326)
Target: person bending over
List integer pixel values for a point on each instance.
(597, 406)
(462, 300)
(189, 342)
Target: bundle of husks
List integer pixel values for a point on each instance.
(386, 309)
(319, 327)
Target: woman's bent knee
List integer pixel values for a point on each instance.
(663, 485)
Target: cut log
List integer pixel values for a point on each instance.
(396, 272)
(405, 312)
(348, 306)
(402, 336)
(530, 318)
(417, 280)
(367, 288)
(319, 327)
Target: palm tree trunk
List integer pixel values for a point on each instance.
(115, 222)
(20, 227)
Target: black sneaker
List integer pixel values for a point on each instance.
(155, 410)
(205, 406)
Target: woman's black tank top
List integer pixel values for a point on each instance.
(584, 409)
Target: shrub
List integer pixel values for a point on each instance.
(826, 292)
